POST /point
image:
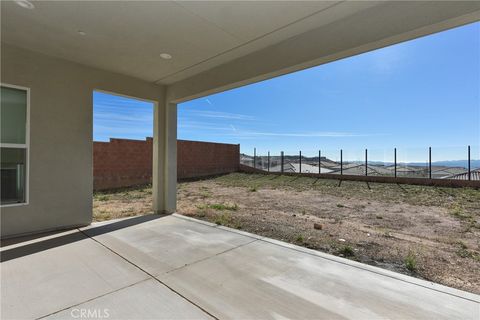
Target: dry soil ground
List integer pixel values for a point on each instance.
(428, 232)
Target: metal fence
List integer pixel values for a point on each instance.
(391, 163)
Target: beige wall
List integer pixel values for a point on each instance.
(61, 179)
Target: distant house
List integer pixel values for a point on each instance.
(474, 175)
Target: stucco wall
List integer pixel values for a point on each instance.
(61, 180)
(122, 162)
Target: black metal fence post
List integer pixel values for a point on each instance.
(281, 161)
(341, 161)
(395, 161)
(300, 161)
(366, 162)
(268, 162)
(255, 158)
(430, 162)
(319, 161)
(469, 165)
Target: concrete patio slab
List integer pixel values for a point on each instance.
(55, 272)
(167, 243)
(174, 267)
(145, 300)
(268, 281)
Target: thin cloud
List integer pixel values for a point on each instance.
(221, 115)
(231, 130)
(113, 117)
(305, 134)
(202, 126)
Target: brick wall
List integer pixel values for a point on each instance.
(122, 162)
(196, 159)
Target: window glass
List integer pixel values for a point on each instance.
(13, 172)
(13, 115)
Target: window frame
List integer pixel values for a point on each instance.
(25, 146)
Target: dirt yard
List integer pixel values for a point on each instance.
(428, 232)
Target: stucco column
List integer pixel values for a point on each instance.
(164, 174)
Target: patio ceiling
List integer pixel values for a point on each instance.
(128, 36)
(266, 38)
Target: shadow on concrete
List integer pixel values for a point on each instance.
(42, 245)
(31, 237)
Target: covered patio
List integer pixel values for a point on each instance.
(174, 267)
(54, 54)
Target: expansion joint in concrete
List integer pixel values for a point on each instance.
(147, 273)
(212, 256)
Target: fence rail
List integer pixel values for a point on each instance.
(351, 164)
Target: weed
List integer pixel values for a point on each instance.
(347, 251)
(253, 189)
(465, 253)
(237, 225)
(201, 214)
(411, 262)
(102, 215)
(205, 195)
(202, 210)
(134, 196)
(463, 245)
(223, 207)
(147, 191)
(223, 219)
(218, 206)
(379, 217)
(300, 239)
(458, 212)
(340, 205)
(102, 197)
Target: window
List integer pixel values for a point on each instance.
(14, 144)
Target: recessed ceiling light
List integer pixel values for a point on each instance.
(165, 56)
(82, 33)
(25, 4)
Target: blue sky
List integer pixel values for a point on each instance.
(425, 92)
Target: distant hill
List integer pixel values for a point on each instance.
(447, 163)
(451, 163)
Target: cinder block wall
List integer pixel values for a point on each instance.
(122, 162)
(196, 158)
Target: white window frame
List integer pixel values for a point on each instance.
(25, 146)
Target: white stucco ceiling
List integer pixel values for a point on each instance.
(128, 36)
